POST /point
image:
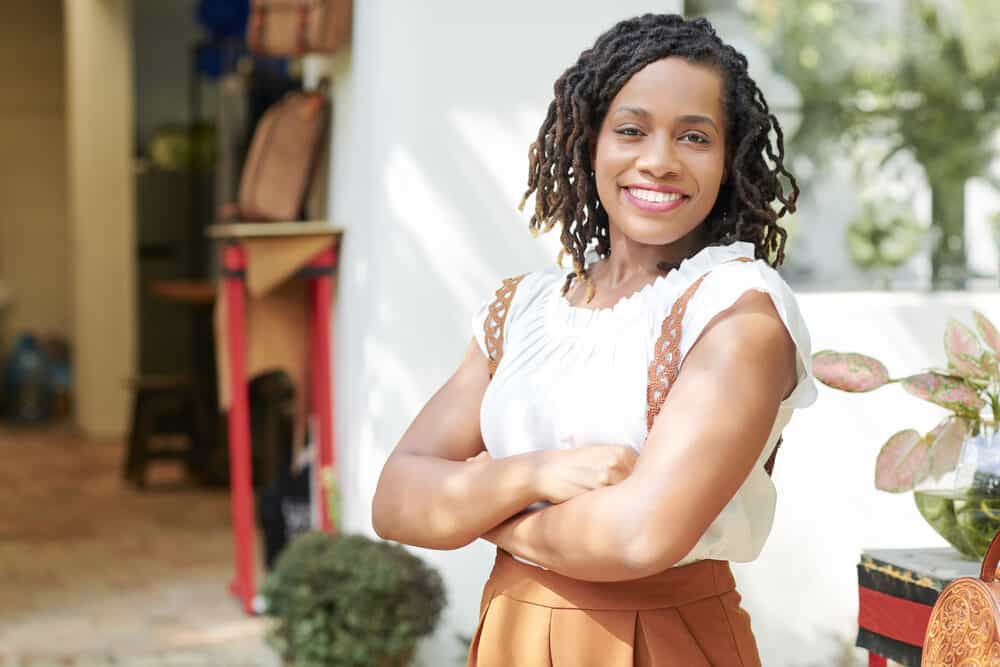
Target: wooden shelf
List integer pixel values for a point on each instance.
(246, 230)
(192, 292)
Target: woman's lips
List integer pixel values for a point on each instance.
(653, 206)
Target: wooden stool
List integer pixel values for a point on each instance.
(164, 407)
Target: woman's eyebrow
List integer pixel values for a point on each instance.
(691, 118)
(698, 119)
(637, 111)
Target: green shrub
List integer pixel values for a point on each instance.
(349, 601)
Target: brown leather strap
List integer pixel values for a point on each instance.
(496, 318)
(665, 367)
(302, 33)
(988, 573)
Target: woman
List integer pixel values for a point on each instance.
(615, 485)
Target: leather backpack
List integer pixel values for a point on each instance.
(964, 627)
(295, 27)
(282, 157)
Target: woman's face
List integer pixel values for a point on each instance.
(660, 154)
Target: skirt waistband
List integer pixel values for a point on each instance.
(674, 587)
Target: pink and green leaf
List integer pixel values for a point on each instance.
(902, 462)
(963, 350)
(945, 443)
(988, 331)
(947, 391)
(849, 371)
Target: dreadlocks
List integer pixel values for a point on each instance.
(560, 171)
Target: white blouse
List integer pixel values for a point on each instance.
(573, 377)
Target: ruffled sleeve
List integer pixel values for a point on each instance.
(516, 295)
(477, 323)
(723, 287)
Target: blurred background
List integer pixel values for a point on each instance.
(124, 126)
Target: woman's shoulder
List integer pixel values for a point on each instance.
(728, 281)
(724, 284)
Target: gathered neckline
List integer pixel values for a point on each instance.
(703, 260)
(621, 302)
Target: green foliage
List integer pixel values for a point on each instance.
(924, 82)
(929, 83)
(883, 236)
(349, 601)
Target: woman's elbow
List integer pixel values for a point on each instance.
(429, 534)
(652, 550)
(384, 514)
(379, 523)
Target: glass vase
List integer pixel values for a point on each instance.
(963, 506)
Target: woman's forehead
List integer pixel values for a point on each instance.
(672, 87)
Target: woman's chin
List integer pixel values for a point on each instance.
(655, 232)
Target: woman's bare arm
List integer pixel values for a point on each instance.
(703, 444)
(429, 495)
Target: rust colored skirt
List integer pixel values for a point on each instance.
(687, 616)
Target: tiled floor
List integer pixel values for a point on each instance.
(93, 572)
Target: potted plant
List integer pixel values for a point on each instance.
(953, 470)
(350, 601)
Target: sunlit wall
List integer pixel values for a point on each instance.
(433, 121)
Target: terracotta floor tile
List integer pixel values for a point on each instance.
(96, 573)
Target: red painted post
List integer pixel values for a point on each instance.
(875, 660)
(321, 293)
(240, 483)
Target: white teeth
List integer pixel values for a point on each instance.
(654, 196)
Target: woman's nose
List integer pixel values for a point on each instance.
(659, 159)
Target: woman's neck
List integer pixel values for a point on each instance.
(632, 263)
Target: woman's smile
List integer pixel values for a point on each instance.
(654, 199)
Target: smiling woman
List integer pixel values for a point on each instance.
(612, 429)
(660, 149)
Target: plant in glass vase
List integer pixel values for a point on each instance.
(953, 470)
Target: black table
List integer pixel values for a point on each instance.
(896, 590)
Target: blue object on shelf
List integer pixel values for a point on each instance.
(28, 382)
(224, 18)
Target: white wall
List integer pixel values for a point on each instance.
(433, 121)
(434, 114)
(99, 109)
(33, 225)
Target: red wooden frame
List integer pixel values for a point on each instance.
(319, 274)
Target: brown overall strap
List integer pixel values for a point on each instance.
(495, 320)
(665, 367)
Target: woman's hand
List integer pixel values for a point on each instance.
(566, 473)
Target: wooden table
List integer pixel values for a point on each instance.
(318, 272)
(896, 590)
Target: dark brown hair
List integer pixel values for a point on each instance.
(560, 173)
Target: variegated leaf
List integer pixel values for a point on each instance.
(944, 390)
(989, 332)
(849, 371)
(902, 462)
(946, 445)
(963, 350)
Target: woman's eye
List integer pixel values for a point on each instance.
(629, 131)
(695, 138)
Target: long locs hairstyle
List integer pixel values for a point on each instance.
(560, 173)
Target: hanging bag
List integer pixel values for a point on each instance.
(286, 28)
(281, 160)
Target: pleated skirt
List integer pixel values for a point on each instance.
(687, 616)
